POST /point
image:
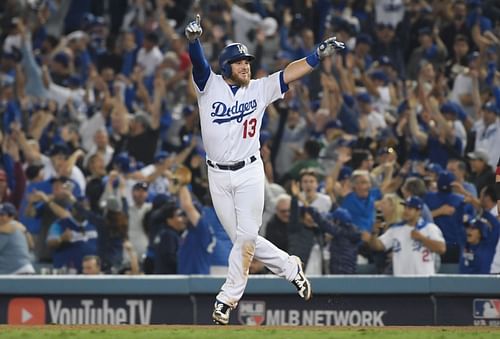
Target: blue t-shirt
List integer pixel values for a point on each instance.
(83, 242)
(223, 245)
(476, 259)
(451, 225)
(362, 210)
(195, 248)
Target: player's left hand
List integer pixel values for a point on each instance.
(328, 47)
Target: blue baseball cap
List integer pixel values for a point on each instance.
(8, 209)
(341, 215)
(122, 161)
(345, 173)
(348, 100)
(364, 39)
(187, 111)
(492, 107)
(58, 148)
(444, 181)
(413, 202)
(161, 155)
(434, 168)
(380, 75)
(385, 60)
(333, 124)
(62, 58)
(449, 108)
(425, 31)
(364, 97)
(481, 224)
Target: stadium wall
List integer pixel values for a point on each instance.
(338, 300)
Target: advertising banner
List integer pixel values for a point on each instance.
(323, 310)
(478, 311)
(115, 310)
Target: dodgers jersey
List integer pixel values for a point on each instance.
(230, 123)
(411, 256)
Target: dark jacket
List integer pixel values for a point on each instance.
(344, 245)
(301, 238)
(277, 233)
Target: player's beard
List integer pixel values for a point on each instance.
(239, 81)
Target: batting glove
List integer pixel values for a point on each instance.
(328, 47)
(193, 29)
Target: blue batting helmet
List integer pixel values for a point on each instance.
(231, 53)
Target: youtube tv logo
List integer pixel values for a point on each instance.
(26, 311)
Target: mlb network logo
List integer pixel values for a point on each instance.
(26, 311)
(487, 308)
(252, 312)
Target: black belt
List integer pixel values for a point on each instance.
(233, 167)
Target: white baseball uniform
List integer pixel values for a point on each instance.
(411, 256)
(230, 127)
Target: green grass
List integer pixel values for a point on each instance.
(182, 332)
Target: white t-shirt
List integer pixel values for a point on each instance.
(149, 60)
(488, 140)
(411, 257)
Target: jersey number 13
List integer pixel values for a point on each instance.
(249, 128)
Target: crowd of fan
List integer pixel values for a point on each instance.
(103, 166)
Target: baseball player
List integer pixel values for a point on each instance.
(231, 108)
(413, 242)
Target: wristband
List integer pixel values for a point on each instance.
(498, 170)
(313, 59)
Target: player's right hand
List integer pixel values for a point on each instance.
(328, 47)
(193, 30)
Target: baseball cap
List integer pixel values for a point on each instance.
(379, 75)
(434, 168)
(7, 208)
(364, 39)
(413, 202)
(58, 148)
(448, 108)
(364, 97)
(333, 124)
(342, 215)
(444, 181)
(62, 58)
(492, 107)
(479, 155)
(344, 173)
(187, 110)
(481, 224)
(161, 155)
(385, 60)
(142, 185)
(122, 161)
(425, 31)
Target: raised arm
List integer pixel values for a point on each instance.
(201, 68)
(301, 67)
